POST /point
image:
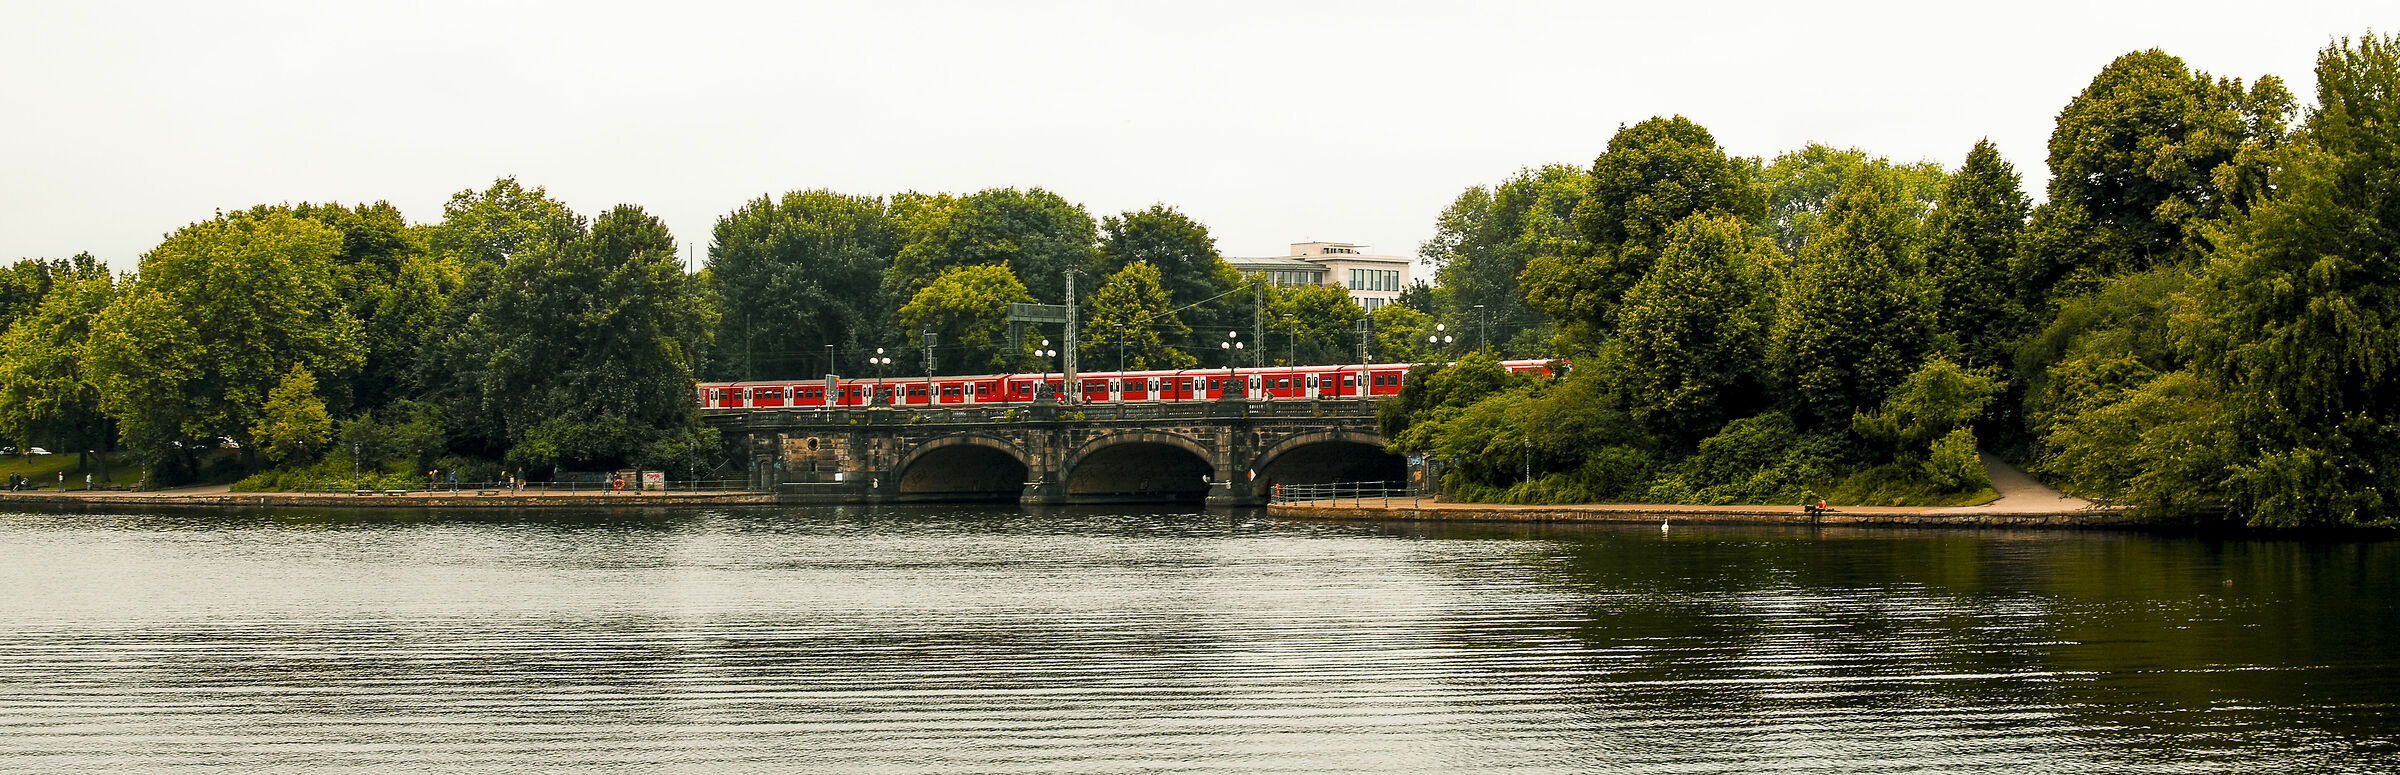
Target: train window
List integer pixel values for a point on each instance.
(952, 390)
(1349, 380)
(982, 389)
(916, 391)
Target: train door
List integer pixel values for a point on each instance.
(1311, 390)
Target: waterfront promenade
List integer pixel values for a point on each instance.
(222, 496)
(2021, 502)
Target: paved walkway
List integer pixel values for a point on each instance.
(2021, 501)
(222, 495)
(2019, 493)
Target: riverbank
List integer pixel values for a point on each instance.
(221, 497)
(2021, 502)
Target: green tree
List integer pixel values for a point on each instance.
(1928, 416)
(1483, 241)
(391, 284)
(797, 273)
(1036, 234)
(221, 312)
(489, 226)
(1654, 174)
(1970, 238)
(967, 307)
(1691, 336)
(1185, 256)
(24, 284)
(2298, 326)
(1851, 325)
(579, 351)
(1313, 323)
(1400, 332)
(293, 424)
(1133, 322)
(45, 392)
(1658, 172)
(2135, 175)
(1800, 183)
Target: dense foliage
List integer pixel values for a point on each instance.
(2202, 316)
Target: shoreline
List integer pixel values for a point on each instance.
(1430, 510)
(219, 498)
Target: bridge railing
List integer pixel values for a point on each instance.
(1342, 493)
(1082, 412)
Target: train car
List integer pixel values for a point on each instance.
(1270, 383)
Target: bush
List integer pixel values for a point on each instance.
(1953, 464)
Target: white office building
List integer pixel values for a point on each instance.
(1372, 280)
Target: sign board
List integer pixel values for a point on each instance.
(654, 480)
(1037, 313)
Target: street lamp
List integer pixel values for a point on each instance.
(1231, 345)
(1482, 329)
(1045, 354)
(1439, 337)
(880, 362)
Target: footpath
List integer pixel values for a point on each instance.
(2022, 502)
(219, 496)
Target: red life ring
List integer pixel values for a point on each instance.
(617, 482)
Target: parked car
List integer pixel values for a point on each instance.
(36, 451)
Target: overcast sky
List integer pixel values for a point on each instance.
(1270, 122)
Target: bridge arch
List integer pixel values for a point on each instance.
(962, 467)
(1139, 466)
(1331, 455)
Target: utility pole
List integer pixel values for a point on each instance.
(1483, 329)
(1260, 309)
(1069, 378)
(928, 337)
(1366, 327)
(1291, 352)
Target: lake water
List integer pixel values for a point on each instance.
(970, 640)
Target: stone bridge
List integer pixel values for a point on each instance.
(1228, 453)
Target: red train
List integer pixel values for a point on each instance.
(1272, 382)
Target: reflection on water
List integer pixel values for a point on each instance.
(994, 641)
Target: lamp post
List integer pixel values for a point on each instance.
(1482, 329)
(1043, 391)
(880, 362)
(1232, 345)
(1440, 336)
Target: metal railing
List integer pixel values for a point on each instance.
(1339, 493)
(506, 488)
(1064, 412)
